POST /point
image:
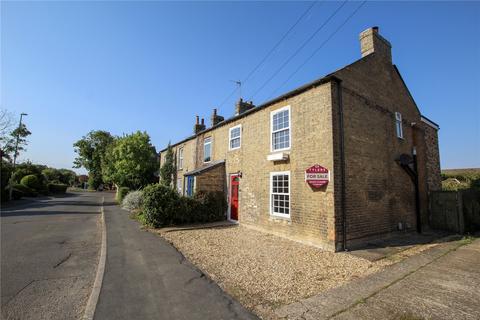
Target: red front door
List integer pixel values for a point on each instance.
(234, 182)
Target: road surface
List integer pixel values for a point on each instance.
(49, 256)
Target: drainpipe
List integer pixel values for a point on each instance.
(342, 165)
(417, 191)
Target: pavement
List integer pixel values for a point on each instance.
(49, 253)
(146, 278)
(439, 283)
(378, 249)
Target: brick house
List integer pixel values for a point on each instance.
(357, 122)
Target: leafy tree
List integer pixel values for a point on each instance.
(131, 161)
(91, 150)
(27, 168)
(168, 169)
(9, 142)
(64, 176)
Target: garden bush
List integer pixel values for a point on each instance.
(31, 181)
(213, 206)
(121, 193)
(161, 204)
(133, 200)
(26, 191)
(57, 187)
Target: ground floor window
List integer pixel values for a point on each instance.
(179, 185)
(190, 186)
(280, 193)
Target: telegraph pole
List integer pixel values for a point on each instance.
(15, 155)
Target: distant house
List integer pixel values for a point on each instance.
(329, 163)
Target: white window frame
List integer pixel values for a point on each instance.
(398, 125)
(230, 137)
(180, 158)
(289, 128)
(275, 214)
(211, 146)
(180, 185)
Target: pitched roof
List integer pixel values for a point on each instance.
(210, 166)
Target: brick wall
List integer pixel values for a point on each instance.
(379, 193)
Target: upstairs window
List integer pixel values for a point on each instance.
(207, 149)
(280, 194)
(235, 137)
(280, 129)
(180, 158)
(398, 125)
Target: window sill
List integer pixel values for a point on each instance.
(275, 216)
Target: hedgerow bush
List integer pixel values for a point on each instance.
(26, 191)
(121, 193)
(133, 200)
(213, 206)
(31, 181)
(162, 206)
(57, 188)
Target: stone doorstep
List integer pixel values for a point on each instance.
(337, 300)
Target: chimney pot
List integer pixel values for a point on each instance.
(243, 106)
(196, 119)
(215, 119)
(203, 122)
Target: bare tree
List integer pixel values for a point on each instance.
(6, 123)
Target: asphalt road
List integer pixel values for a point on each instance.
(49, 255)
(146, 278)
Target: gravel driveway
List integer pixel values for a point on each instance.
(264, 271)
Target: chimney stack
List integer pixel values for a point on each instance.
(215, 119)
(372, 42)
(198, 126)
(243, 106)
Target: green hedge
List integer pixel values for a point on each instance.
(121, 193)
(57, 188)
(31, 181)
(162, 206)
(26, 191)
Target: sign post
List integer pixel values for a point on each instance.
(317, 176)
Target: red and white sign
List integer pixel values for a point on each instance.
(317, 176)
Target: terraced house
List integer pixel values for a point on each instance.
(334, 163)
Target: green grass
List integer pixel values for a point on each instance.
(466, 240)
(75, 189)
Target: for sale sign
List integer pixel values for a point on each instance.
(317, 176)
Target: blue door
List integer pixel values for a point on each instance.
(190, 185)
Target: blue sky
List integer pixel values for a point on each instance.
(127, 66)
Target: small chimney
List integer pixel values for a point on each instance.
(215, 119)
(243, 106)
(372, 42)
(198, 127)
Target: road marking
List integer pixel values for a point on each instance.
(97, 285)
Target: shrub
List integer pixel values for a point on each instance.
(160, 205)
(31, 181)
(57, 188)
(213, 206)
(16, 194)
(26, 191)
(121, 193)
(133, 200)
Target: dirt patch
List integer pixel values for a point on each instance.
(264, 271)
